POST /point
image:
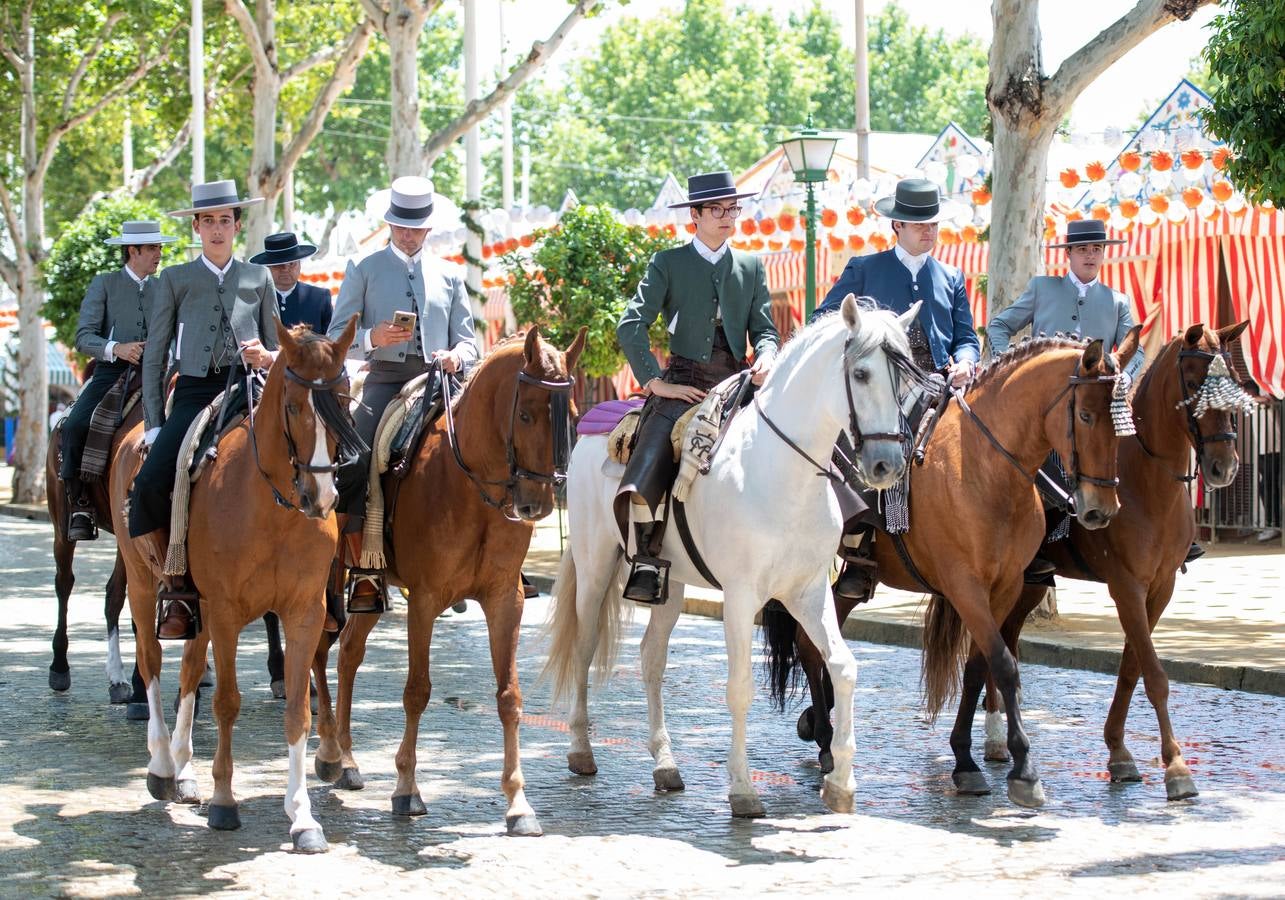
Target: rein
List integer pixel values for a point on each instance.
(560, 416)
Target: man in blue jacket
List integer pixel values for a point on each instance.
(297, 303)
(942, 337)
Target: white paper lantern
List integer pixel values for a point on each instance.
(1129, 184)
(935, 172)
(862, 190)
(967, 165)
(1118, 222)
(1148, 216)
(1100, 191)
(772, 207)
(1235, 203)
(1177, 213)
(1206, 208)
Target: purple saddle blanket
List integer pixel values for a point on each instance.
(602, 418)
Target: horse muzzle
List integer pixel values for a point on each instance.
(1095, 507)
(1219, 465)
(882, 463)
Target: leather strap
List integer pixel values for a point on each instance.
(903, 552)
(689, 543)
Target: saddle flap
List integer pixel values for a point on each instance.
(620, 442)
(697, 431)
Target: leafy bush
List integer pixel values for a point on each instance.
(79, 254)
(582, 272)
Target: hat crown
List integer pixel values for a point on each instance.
(285, 240)
(140, 227)
(710, 186)
(215, 193)
(412, 190)
(1083, 230)
(917, 195)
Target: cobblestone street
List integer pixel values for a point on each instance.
(76, 818)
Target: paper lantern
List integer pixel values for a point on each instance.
(1159, 203)
(774, 246)
(1050, 233)
(786, 221)
(1129, 208)
(1069, 178)
(510, 245)
(1192, 197)
(829, 218)
(946, 236)
(1220, 157)
(1074, 215)
(797, 244)
(1222, 190)
(968, 234)
(690, 227)
(527, 239)
(856, 243)
(836, 243)
(981, 196)
(749, 226)
(767, 226)
(1177, 213)
(1100, 212)
(1095, 171)
(1208, 209)
(1148, 217)
(1161, 161)
(1192, 159)
(879, 241)
(756, 243)
(670, 229)
(487, 251)
(1131, 160)
(856, 215)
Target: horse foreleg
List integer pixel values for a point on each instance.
(419, 687)
(738, 631)
(119, 688)
(190, 672)
(227, 706)
(996, 739)
(968, 778)
(655, 656)
(352, 650)
(328, 743)
(503, 620)
(303, 634)
(147, 653)
(64, 581)
(276, 658)
(816, 616)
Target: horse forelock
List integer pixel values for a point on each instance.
(311, 350)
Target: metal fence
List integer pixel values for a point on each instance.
(1250, 505)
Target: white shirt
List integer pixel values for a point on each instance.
(913, 263)
(109, 349)
(710, 256)
(1080, 285)
(411, 261)
(218, 273)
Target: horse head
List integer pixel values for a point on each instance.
(1207, 391)
(309, 376)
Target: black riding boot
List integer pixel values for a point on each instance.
(81, 525)
(645, 584)
(856, 579)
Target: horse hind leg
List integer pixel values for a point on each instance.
(968, 778)
(654, 653)
(591, 614)
(352, 651)
(419, 638)
(327, 732)
(119, 689)
(64, 581)
(276, 657)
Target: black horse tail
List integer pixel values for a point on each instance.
(782, 651)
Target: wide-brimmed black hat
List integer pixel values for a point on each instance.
(282, 248)
(709, 188)
(917, 200)
(1086, 231)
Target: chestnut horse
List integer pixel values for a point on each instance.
(118, 686)
(1139, 553)
(976, 520)
(261, 538)
(460, 528)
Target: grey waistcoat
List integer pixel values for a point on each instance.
(115, 308)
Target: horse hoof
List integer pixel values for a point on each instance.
(350, 780)
(408, 805)
(207, 680)
(996, 751)
(1026, 793)
(187, 792)
(1181, 787)
(328, 772)
(523, 826)
(120, 692)
(746, 806)
(60, 681)
(160, 788)
(581, 762)
(137, 712)
(837, 799)
(1124, 772)
(804, 725)
(971, 784)
(668, 779)
(310, 840)
(279, 689)
(224, 818)
(826, 760)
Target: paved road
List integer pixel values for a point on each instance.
(76, 820)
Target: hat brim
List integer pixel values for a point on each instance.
(139, 240)
(1083, 243)
(738, 195)
(948, 209)
(301, 251)
(425, 222)
(195, 210)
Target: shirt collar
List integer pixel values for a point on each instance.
(1080, 285)
(138, 281)
(411, 261)
(710, 256)
(913, 263)
(284, 294)
(219, 273)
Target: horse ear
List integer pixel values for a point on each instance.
(906, 319)
(1232, 332)
(1193, 334)
(1129, 346)
(1092, 358)
(345, 339)
(576, 348)
(531, 349)
(851, 315)
(285, 340)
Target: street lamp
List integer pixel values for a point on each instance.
(809, 152)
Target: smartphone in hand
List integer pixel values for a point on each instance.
(404, 320)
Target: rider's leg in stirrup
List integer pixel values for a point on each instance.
(646, 580)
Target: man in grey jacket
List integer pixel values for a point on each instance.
(111, 331)
(218, 314)
(436, 323)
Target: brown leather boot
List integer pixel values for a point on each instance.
(178, 605)
(367, 591)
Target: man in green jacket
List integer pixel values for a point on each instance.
(715, 304)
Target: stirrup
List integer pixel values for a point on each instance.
(86, 515)
(379, 599)
(189, 599)
(662, 574)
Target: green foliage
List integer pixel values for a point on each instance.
(581, 273)
(79, 254)
(1246, 54)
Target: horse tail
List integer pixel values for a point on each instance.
(781, 650)
(945, 641)
(563, 665)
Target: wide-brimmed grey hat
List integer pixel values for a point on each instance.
(282, 248)
(411, 202)
(917, 200)
(132, 233)
(1086, 231)
(215, 195)
(709, 188)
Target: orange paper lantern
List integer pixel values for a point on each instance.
(1095, 171)
(774, 246)
(1192, 197)
(829, 218)
(947, 236)
(879, 242)
(856, 242)
(527, 240)
(1222, 190)
(1129, 208)
(855, 215)
(510, 245)
(1193, 159)
(749, 225)
(690, 227)
(1130, 160)
(1069, 178)
(1220, 157)
(767, 226)
(756, 244)
(981, 196)
(796, 244)
(1100, 212)
(786, 221)
(1074, 215)
(836, 243)
(968, 234)
(487, 252)
(1161, 161)
(1159, 202)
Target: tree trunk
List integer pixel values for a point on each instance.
(1017, 219)
(405, 154)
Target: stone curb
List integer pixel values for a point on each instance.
(33, 511)
(1039, 651)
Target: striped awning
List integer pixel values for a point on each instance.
(60, 370)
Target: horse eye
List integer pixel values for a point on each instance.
(1191, 385)
(292, 409)
(860, 376)
(524, 417)
(1085, 417)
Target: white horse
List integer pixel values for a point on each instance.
(764, 522)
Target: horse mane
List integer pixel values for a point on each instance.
(878, 329)
(1003, 363)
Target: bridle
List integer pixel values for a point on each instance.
(1188, 403)
(559, 392)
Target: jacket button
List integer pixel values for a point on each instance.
(1081, 302)
(207, 349)
(409, 294)
(1075, 318)
(211, 328)
(220, 290)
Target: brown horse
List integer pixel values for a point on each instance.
(976, 521)
(1139, 553)
(261, 538)
(460, 528)
(119, 688)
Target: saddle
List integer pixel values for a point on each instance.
(107, 417)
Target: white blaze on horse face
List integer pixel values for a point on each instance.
(327, 494)
(298, 807)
